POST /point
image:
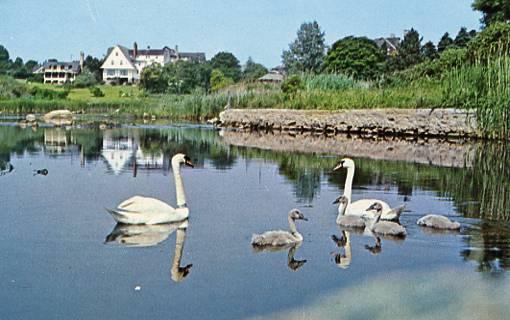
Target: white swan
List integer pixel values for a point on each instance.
(438, 222)
(359, 208)
(384, 228)
(144, 210)
(280, 238)
(348, 221)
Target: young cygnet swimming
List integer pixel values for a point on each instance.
(348, 221)
(280, 237)
(438, 222)
(385, 228)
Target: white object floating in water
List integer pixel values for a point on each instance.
(138, 288)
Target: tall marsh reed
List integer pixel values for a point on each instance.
(484, 87)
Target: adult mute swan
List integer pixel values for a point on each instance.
(349, 221)
(144, 210)
(280, 238)
(359, 208)
(438, 222)
(384, 228)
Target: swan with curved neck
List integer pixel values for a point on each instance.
(145, 210)
(359, 207)
(280, 238)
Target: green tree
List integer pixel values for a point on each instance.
(186, 76)
(358, 57)
(93, 65)
(153, 80)
(228, 64)
(252, 71)
(429, 51)
(409, 50)
(219, 81)
(85, 79)
(444, 43)
(306, 53)
(462, 39)
(4, 60)
(493, 10)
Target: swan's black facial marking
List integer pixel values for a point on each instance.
(187, 161)
(375, 206)
(340, 165)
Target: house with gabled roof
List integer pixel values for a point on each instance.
(123, 65)
(391, 44)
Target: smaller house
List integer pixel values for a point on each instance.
(391, 43)
(275, 75)
(58, 72)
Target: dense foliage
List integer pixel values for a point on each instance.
(493, 10)
(252, 70)
(359, 58)
(16, 68)
(181, 77)
(228, 64)
(306, 53)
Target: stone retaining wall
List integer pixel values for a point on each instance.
(382, 122)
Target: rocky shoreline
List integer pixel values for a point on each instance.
(445, 123)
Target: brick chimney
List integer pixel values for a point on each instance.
(135, 50)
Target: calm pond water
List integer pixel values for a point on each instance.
(57, 264)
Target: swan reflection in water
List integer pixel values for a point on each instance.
(343, 258)
(152, 235)
(292, 263)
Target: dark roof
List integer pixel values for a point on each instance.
(198, 56)
(152, 52)
(75, 65)
(391, 42)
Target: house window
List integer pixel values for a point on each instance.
(112, 62)
(116, 54)
(120, 62)
(110, 72)
(124, 73)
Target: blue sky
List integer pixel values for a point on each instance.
(42, 29)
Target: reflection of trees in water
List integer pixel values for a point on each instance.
(482, 190)
(306, 181)
(489, 247)
(18, 141)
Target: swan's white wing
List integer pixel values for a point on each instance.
(146, 205)
(359, 208)
(144, 210)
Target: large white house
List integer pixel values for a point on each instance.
(125, 65)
